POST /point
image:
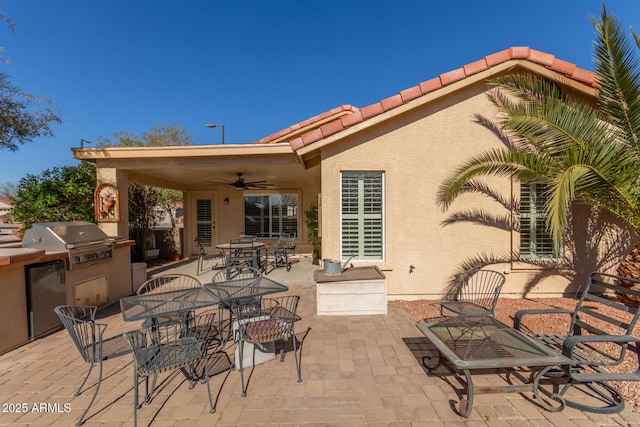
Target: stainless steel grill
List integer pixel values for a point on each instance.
(85, 243)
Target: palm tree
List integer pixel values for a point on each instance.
(578, 150)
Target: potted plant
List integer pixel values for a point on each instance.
(311, 219)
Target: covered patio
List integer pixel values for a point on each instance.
(356, 371)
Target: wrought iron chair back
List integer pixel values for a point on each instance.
(478, 292)
(167, 283)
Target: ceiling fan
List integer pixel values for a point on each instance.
(240, 184)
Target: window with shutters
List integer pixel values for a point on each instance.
(362, 215)
(271, 215)
(535, 240)
(203, 221)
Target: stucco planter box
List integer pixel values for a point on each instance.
(356, 291)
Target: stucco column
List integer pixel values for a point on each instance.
(120, 180)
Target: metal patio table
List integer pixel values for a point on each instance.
(158, 304)
(473, 343)
(250, 287)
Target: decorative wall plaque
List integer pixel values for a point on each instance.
(107, 203)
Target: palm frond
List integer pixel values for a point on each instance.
(618, 71)
(506, 162)
(481, 217)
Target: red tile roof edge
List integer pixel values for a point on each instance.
(307, 122)
(513, 53)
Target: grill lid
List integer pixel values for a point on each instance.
(61, 236)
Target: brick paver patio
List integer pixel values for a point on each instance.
(356, 371)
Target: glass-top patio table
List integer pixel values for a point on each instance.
(154, 305)
(472, 343)
(250, 287)
(160, 304)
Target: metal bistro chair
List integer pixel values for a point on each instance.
(242, 256)
(205, 258)
(167, 283)
(275, 324)
(279, 255)
(87, 335)
(246, 304)
(170, 346)
(288, 242)
(477, 294)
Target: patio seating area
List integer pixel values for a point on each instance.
(356, 371)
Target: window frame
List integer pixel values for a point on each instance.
(538, 236)
(269, 195)
(361, 256)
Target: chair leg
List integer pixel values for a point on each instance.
(212, 408)
(295, 356)
(135, 393)
(241, 368)
(147, 396)
(79, 391)
(81, 420)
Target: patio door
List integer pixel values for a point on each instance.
(204, 219)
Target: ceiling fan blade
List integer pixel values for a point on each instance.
(251, 184)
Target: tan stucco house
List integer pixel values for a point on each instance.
(374, 172)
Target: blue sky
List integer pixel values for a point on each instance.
(255, 66)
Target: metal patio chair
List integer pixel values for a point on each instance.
(205, 258)
(243, 256)
(167, 283)
(174, 345)
(279, 255)
(87, 335)
(245, 304)
(288, 242)
(477, 294)
(275, 323)
(600, 340)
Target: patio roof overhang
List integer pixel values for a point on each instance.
(189, 167)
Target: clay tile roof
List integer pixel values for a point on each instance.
(340, 118)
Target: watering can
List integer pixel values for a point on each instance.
(333, 266)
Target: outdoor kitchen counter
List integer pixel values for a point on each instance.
(14, 261)
(19, 255)
(13, 316)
